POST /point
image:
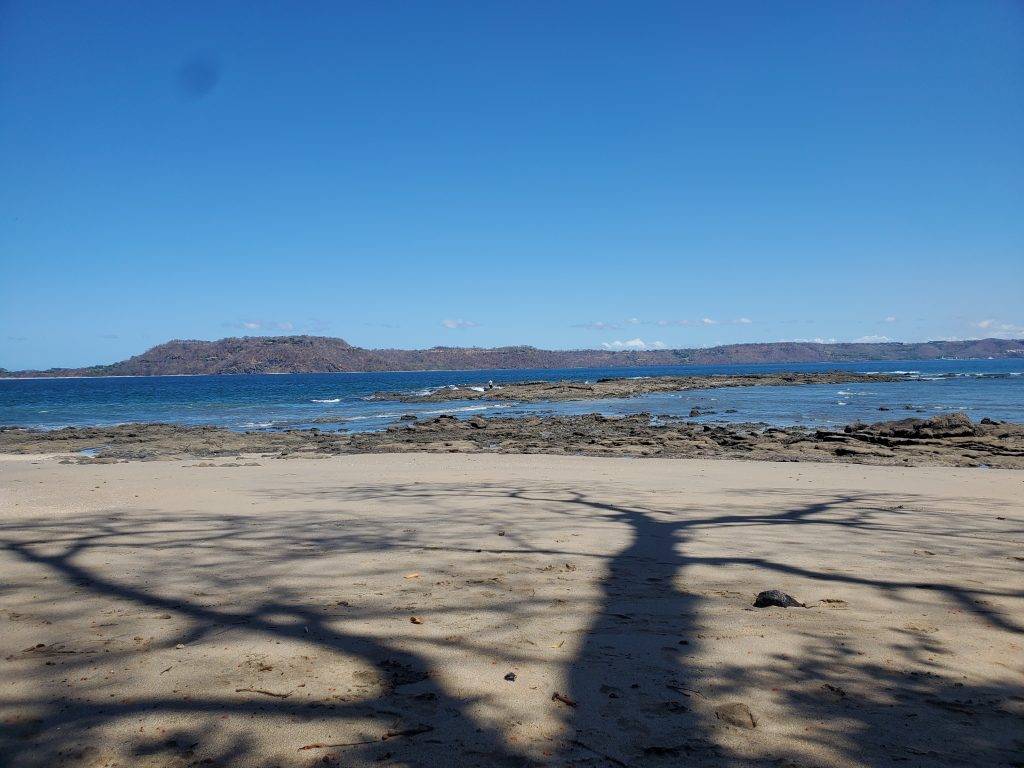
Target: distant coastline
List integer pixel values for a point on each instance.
(319, 354)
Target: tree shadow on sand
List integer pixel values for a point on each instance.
(633, 692)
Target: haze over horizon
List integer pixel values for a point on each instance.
(567, 175)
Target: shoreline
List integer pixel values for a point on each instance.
(945, 440)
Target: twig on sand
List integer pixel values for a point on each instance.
(384, 737)
(275, 694)
(556, 696)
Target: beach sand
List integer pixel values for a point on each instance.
(373, 610)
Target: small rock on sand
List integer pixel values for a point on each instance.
(776, 598)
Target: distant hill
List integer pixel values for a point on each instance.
(319, 354)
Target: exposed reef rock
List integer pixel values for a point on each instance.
(948, 440)
(535, 391)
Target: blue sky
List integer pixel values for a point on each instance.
(563, 174)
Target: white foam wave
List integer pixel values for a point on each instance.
(328, 400)
(467, 408)
(372, 416)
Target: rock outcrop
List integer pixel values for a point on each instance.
(537, 391)
(951, 440)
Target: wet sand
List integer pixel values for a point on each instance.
(367, 610)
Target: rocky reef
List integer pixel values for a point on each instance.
(947, 440)
(536, 391)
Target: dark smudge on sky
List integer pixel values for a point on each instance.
(199, 75)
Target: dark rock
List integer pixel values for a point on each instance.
(776, 598)
(694, 412)
(945, 425)
(860, 450)
(511, 677)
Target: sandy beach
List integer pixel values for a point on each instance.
(488, 610)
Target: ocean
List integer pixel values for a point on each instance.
(339, 401)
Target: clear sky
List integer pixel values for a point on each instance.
(563, 174)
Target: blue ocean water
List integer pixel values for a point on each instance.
(338, 401)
